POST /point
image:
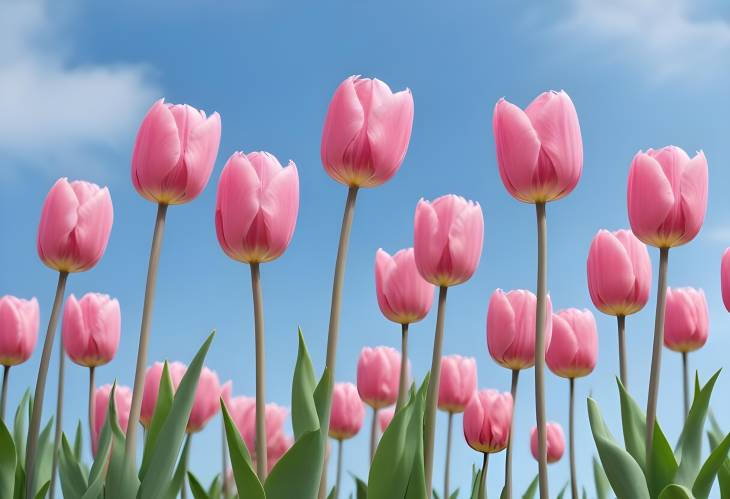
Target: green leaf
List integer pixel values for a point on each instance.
(163, 405)
(304, 412)
(416, 483)
(476, 478)
(663, 463)
(623, 472)
(247, 482)
(532, 488)
(73, 481)
(78, 448)
(361, 488)
(723, 474)
(454, 494)
(43, 490)
(169, 440)
(178, 479)
(633, 422)
(215, 489)
(7, 462)
(603, 488)
(121, 481)
(333, 493)
(196, 488)
(19, 436)
(706, 477)
(675, 491)
(44, 456)
(561, 494)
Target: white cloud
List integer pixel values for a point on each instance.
(666, 38)
(58, 117)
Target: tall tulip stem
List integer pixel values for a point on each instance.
(4, 399)
(623, 368)
(59, 419)
(508, 458)
(483, 477)
(403, 382)
(685, 375)
(540, 348)
(373, 434)
(40, 388)
(258, 314)
(339, 469)
(571, 440)
(447, 465)
(144, 336)
(433, 386)
(656, 355)
(91, 405)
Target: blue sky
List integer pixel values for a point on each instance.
(76, 82)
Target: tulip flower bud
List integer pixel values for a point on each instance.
(207, 400)
(122, 404)
(458, 382)
(487, 421)
(18, 329)
(555, 442)
(91, 329)
(347, 413)
(403, 295)
(573, 348)
(686, 319)
(378, 375)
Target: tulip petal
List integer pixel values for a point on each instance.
(280, 206)
(650, 197)
(95, 219)
(389, 125)
(200, 152)
(237, 202)
(694, 195)
(518, 147)
(343, 124)
(157, 150)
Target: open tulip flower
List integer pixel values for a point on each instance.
(91, 329)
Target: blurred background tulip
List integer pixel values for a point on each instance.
(122, 401)
(207, 400)
(347, 415)
(385, 416)
(573, 350)
(19, 321)
(91, 329)
(555, 440)
(725, 278)
(152, 387)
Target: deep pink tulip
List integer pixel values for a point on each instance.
(366, 132)
(152, 387)
(403, 295)
(448, 239)
(207, 400)
(256, 207)
(487, 421)
(385, 416)
(667, 196)
(75, 225)
(511, 328)
(122, 403)
(348, 412)
(378, 375)
(619, 272)
(243, 414)
(686, 319)
(174, 152)
(18, 329)
(539, 150)
(91, 329)
(458, 382)
(725, 278)
(555, 442)
(573, 351)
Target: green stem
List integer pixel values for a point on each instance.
(483, 478)
(540, 348)
(339, 469)
(373, 434)
(685, 375)
(623, 368)
(571, 439)
(92, 415)
(4, 399)
(403, 383)
(447, 465)
(258, 312)
(59, 419)
(508, 458)
(224, 460)
(186, 453)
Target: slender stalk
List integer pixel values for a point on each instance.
(92, 416)
(685, 374)
(483, 479)
(432, 396)
(540, 348)
(186, 453)
(323, 479)
(258, 313)
(508, 458)
(571, 440)
(59, 419)
(339, 468)
(4, 399)
(656, 355)
(373, 434)
(448, 455)
(623, 368)
(403, 384)
(224, 460)
(130, 453)
(40, 388)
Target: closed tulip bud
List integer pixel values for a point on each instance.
(174, 153)
(243, 414)
(366, 132)
(256, 207)
(75, 225)
(403, 295)
(18, 329)
(573, 348)
(511, 328)
(122, 404)
(385, 416)
(347, 413)
(378, 374)
(152, 387)
(555, 442)
(686, 319)
(619, 272)
(207, 400)
(448, 239)
(539, 150)
(458, 382)
(487, 421)
(667, 196)
(91, 329)
(725, 278)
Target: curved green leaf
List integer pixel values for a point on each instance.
(196, 488)
(675, 491)
(73, 481)
(603, 488)
(633, 422)
(7, 462)
(303, 413)
(19, 436)
(532, 488)
(706, 477)
(663, 463)
(723, 474)
(45, 456)
(178, 478)
(247, 482)
(165, 395)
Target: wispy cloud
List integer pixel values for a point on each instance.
(55, 115)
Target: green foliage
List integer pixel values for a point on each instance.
(532, 488)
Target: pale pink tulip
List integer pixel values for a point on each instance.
(75, 225)
(539, 150)
(366, 132)
(18, 329)
(725, 278)
(378, 374)
(207, 400)
(555, 442)
(243, 414)
(619, 272)
(573, 350)
(174, 152)
(667, 196)
(385, 416)
(256, 207)
(152, 387)
(686, 323)
(348, 412)
(458, 382)
(122, 403)
(448, 239)
(403, 295)
(91, 329)
(487, 421)
(511, 328)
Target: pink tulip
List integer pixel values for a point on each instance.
(256, 207)
(511, 328)
(619, 272)
(725, 278)
(539, 150)
(667, 196)
(75, 224)
(555, 442)
(91, 329)
(174, 152)
(487, 421)
(403, 295)
(385, 416)
(686, 319)
(243, 414)
(348, 412)
(207, 400)
(152, 387)
(122, 403)
(378, 375)
(573, 348)
(458, 382)
(18, 329)
(448, 235)
(366, 132)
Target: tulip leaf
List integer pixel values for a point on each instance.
(633, 422)
(361, 488)
(8, 458)
(723, 474)
(43, 490)
(73, 481)
(603, 488)
(706, 477)
(178, 478)
(304, 413)
(561, 494)
(19, 435)
(676, 491)
(215, 490)
(196, 488)
(44, 456)
(247, 482)
(476, 478)
(532, 488)
(121, 481)
(454, 494)
(165, 395)
(663, 463)
(78, 447)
